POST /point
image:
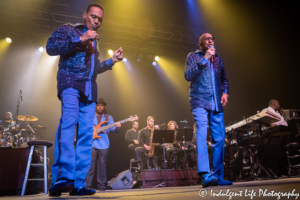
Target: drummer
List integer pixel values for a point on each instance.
(7, 120)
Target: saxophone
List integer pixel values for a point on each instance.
(151, 151)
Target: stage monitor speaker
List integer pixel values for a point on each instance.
(122, 181)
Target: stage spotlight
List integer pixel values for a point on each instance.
(154, 63)
(124, 59)
(41, 49)
(138, 60)
(8, 40)
(110, 52)
(156, 58)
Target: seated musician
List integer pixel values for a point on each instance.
(6, 122)
(100, 146)
(274, 107)
(191, 147)
(132, 138)
(144, 140)
(172, 125)
(274, 153)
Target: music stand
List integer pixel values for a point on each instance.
(185, 135)
(163, 136)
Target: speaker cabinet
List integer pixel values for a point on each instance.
(122, 181)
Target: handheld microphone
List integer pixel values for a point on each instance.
(21, 95)
(95, 38)
(212, 57)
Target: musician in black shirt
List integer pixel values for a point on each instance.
(144, 140)
(7, 122)
(175, 147)
(132, 138)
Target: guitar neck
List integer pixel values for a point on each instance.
(101, 129)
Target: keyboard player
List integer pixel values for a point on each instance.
(274, 107)
(275, 157)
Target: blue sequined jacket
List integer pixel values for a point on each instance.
(75, 59)
(200, 78)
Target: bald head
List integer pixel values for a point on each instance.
(205, 41)
(8, 116)
(274, 104)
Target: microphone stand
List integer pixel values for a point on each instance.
(17, 114)
(18, 106)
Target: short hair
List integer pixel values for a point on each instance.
(200, 39)
(272, 102)
(170, 122)
(9, 113)
(93, 5)
(134, 122)
(150, 117)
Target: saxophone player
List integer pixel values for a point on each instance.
(144, 141)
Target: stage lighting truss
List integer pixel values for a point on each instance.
(165, 39)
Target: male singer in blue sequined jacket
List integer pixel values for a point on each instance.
(75, 62)
(208, 91)
(77, 90)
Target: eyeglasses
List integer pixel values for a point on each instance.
(208, 38)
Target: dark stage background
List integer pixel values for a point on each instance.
(257, 40)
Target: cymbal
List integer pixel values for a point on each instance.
(10, 121)
(39, 126)
(27, 118)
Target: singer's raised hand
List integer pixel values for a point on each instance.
(89, 35)
(118, 55)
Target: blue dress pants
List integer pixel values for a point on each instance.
(68, 163)
(217, 128)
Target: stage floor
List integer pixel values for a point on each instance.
(239, 190)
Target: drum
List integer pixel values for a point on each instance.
(1, 131)
(24, 142)
(17, 139)
(8, 144)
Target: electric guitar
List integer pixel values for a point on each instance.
(98, 129)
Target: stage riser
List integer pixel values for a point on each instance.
(151, 178)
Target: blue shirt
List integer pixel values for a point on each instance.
(207, 83)
(79, 63)
(103, 143)
(213, 99)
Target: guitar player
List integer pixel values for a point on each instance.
(101, 146)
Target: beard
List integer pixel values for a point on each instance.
(151, 124)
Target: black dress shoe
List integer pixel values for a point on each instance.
(82, 191)
(60, 186)
(102, 189)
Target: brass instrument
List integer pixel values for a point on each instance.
(151, 151)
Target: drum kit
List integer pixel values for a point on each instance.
(15, 136)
